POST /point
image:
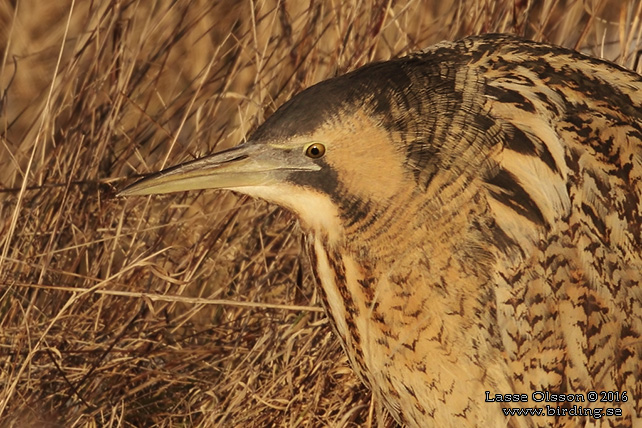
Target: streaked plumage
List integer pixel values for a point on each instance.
(475, 224)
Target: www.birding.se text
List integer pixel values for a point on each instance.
(595, 413)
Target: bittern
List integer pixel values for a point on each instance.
(474, 214)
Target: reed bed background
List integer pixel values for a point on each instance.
(190, 309)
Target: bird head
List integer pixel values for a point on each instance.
(327, 154)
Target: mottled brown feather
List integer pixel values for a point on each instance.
(506, 255)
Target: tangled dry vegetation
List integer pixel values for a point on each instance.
(190, 309)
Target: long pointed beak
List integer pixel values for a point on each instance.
(242, 166)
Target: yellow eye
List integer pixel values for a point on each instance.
(315, 150)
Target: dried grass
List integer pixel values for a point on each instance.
(191, 309)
